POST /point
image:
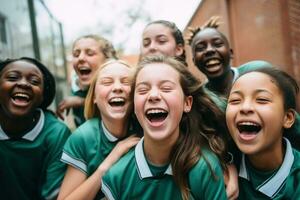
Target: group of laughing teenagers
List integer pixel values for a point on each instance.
(151, 131)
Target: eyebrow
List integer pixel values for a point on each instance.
(256, 91)
(161, 82)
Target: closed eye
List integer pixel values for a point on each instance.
(262, 100)
(234, 101)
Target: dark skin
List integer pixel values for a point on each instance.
(212, 55)
(21, 88)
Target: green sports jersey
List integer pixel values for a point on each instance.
(131, 178)
(78, 112)
(30, 167)
(88, 146)
(282, 183)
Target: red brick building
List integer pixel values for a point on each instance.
(257, 29)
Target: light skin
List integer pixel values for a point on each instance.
(87, 55)
(21, 92)
(86, 58)
(260, 103)
(112, 86)
(158, 40)
(162, 94)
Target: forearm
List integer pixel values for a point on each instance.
(89, 188)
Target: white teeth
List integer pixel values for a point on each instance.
(21, 95)
(213, 62)
(117, 99)
(248, 123)
(84, 68)
(154, 111)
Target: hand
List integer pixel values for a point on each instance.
(67, 104)
(118, 151)
(231, 182)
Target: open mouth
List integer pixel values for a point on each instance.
(249, 128)
(84, 71)
(21, 98)
(156, 115)
(212, 62)
(117, 102)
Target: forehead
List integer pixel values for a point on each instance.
(208, 33)
(157, 72)
(154, 30)
(22, 66)
(114, 69)
(255, 81)
(86, 43)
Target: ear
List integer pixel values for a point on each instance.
(231, 54)
(188, 104)
(289, 118)
(179, 50)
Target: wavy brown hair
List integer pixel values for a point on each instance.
(203, 126)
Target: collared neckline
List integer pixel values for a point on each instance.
(141, 162)
(271, 186)
(107, 134)
(32, 134)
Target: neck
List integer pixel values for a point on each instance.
(18, 126)
(158, 152)
(222, 84)
(268, 160)
(117, 128)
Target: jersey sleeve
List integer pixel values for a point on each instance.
(109, 186)
(206, 179)
(53, 168)
(74, 151)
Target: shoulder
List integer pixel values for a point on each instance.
(119, 175)
(127, 162)
(89, 127)
(206, 178)
(88, 131)
(54, 126)
(296, 163)
(207, 162)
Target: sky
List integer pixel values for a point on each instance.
(120, 21)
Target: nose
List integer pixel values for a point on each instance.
(247, 107)
(152, 47)
(23, 83)
(210, 49)
(154, 95)
(117, 87)
(81, 56)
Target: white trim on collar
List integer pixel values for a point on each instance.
(141, 162)
(31, 135)
(272, 185)
(108, 135)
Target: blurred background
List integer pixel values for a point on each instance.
(45, 29)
